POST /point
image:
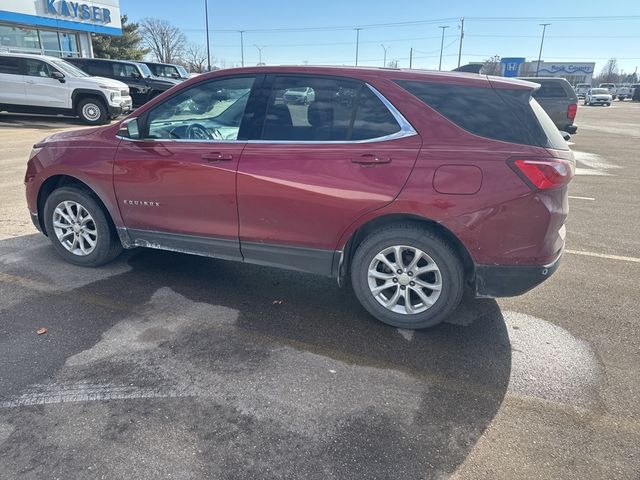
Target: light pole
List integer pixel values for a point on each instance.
(442, 45)
(461, 38)
(259, 47)
(242, 46)
(384, 62)
(206, 18)
(544, 29)
(357, 43)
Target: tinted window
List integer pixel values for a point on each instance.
(10, 65)
(98, 68)
(500, 114)
(550, 90)
(125, 70)
(37, 68)
(304, 108)
(373, 119)
(208, 111)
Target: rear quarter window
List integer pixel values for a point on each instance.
(10, 65)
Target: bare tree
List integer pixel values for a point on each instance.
(165, 41)
(610, 73)
(392, 64)
(195, 58)
(492, 66)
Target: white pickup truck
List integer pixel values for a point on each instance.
(582, 89)
(623, 92)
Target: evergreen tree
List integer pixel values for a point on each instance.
(128, 46)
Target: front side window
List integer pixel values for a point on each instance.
(312, 109)
(37, 68)
(211, 110)
(125, 70)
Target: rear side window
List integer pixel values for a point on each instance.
(10, 65)
(307, 108)
(499, 114)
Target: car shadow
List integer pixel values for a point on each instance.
(462, 371)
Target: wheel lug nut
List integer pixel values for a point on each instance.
(410, 274)
(412, 283)
(399, 272)
(395, 280)
(402, 287)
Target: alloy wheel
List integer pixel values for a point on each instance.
(75, 228)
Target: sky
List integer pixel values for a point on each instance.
(323, 32)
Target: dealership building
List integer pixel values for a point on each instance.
(574, 72)
(56, 27)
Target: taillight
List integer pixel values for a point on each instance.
(544, 173)
(572, 109)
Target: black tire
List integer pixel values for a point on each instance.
(107, 245)
(450, 266)
(608, 104)
(86, 109)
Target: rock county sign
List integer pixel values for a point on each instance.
(93, 16)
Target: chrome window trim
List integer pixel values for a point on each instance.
(406, 130)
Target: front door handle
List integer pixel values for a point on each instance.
(215, 157)
(369, 159)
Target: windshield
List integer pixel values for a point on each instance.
(145, 70)
(69, 69)
(597, 91)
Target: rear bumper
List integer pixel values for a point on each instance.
(571, 129)
(510, 280)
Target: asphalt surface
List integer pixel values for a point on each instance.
(162, 365)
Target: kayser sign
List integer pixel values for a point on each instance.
(78, 11)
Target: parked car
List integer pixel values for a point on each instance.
(426, 184)
(50, 85)
(582, 89)
(559, 100)
(611, 88)
(142, 84)
(299, 95)
(168, 70)
(598, 96)
(624, 91)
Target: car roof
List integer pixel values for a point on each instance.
(30, 55)
(544, 79)
(107, 60)
(365, 73)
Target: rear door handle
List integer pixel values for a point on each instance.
(370, 159)
(215, 157)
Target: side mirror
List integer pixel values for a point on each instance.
(129, 129)
(58, 76)
(565, 135)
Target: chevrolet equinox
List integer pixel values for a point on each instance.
(413, 185)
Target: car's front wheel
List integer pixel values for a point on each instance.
(79, 229)
(93, 112)
(407, 276)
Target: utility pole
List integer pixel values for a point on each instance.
(259, 52)
(357, 43)
(442, 45)
(384, 62)
(242, 46)
(544, 29)
(461, 38)
(206, 17)
(410, 58)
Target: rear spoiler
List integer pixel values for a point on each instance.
(469, 68)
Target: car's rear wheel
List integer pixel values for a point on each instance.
(407, 276)
(79, 229)
(93, 111)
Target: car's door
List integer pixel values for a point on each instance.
(41, 89)
(130, 74)
(318, 167)
(12, 89)
(176, 186)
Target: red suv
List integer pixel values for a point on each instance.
(415, 185)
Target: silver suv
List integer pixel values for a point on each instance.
(559, 100)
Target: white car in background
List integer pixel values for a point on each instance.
(624, 92)
(49, 85)
(598, 96)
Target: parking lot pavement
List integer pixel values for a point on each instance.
(168, 365)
